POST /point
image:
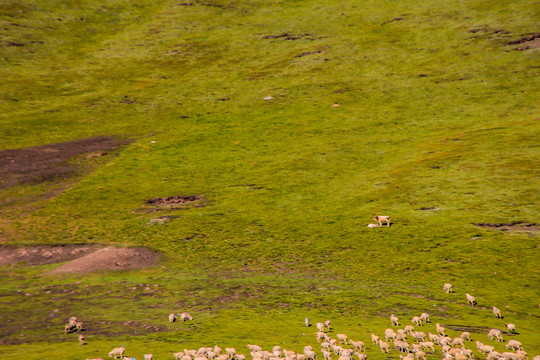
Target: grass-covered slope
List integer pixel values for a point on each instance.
(437, 126)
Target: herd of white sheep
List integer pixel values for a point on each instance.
(409, 342)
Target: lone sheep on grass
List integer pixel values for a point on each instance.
(497, 313)
(118, 352)
(381, 219)
(394, 319)
(447, 288)
(470, 299)
(511, 328)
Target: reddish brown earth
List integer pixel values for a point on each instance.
(82, 258)
(49, 162)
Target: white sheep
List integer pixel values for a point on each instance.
(328, 324)
(254, 348)
(511, 328)
(419, 336)
(276, 350)
(231, 352)
(401, 336)
(470, 299)
(325, 345)
(178, 355)
(416, 321)
(493, 355)
(375, 338)
(172, 318)
(185, 316)
(465, 335)
(148, 357)
(390, 335)
(190, 353)
(401, 346)
(119, 351)
(306, 321)
(187, 357)
(240, 357)
(394, 319)
(310, 355)
(327, 355)
(358, 345)
(508, 356)
(308, 348)
(361, 356)
(495, 334)
(486, 349)
(420, 355)
(513, 345)
(342, 338)
(321, 336)
(468, 353)
(457, 342)
(385, 347)
(497, 313)
(409, 329)
(433, 337)
(428, 345)
(217, 350)
(447, 288)
(440, 329)
(425, 317)
(81, 339)
(521, 355)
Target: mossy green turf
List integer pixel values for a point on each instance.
(437, 111)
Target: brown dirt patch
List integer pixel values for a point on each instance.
(40, 255)
(531, 41)
(514, 226)
(175, 200)
(110, 258)
(48, 162)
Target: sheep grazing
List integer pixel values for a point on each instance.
(342, 338)
(327, 355)
(375, 338)
(407, 357)
(511, 328)
(440, 329)
(419, 336)
(389, 334)
(254, 348)
(458, 341)
(468, 353)
(420, 355)
(401, 336)
(79, 326)
(394, 319)
(385, 347)
(217, 350)
(306, 321)
(470, 299)
(185, 316)
(118, 352)
(497, 313)
(433, 337)
(493, 355)
(409, 329)
(381, 219)
(428, 345)
(321, 336)
(320, 326)
(148, 357)
(465, 335)
(358, 345)
(401, 346)
(178, 355)
(172, 318)
(310, 355)
(495, 334)
(231, 352)
(361, 356)
(425, 317)
(447, 288)
(513, 345)
(81, 339)
(486, 349)
(328, 324)
(416, 321)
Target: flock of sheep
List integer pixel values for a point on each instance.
(410, 343)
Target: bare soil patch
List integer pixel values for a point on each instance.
(469, 328)
(48, 162)
(110, 258)
(531, 41)
(514, 226)
(175, 200)
(43, 254)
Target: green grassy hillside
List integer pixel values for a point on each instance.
(421, 110)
